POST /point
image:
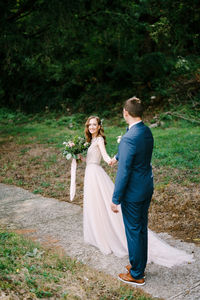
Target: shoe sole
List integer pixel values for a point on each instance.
(131, 282)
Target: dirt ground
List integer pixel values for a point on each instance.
(40, 169)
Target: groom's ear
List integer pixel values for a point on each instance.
(125, 113)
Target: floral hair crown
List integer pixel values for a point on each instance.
(101, 121)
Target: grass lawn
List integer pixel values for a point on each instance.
(29, 271)
(31, 157)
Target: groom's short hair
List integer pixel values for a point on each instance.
(134, 107)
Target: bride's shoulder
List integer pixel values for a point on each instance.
(100, 138)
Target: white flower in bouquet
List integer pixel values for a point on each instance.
(68, 156)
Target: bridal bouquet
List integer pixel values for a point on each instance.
(75, 148)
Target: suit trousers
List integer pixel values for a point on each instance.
(135, 217)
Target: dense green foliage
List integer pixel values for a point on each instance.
(87, 55)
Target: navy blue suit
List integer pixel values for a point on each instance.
(133, 190)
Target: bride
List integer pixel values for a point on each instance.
(102, 228)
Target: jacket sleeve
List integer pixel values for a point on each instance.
(126, 156)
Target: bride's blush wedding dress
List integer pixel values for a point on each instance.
(104, 229)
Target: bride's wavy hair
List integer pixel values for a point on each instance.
(100, 132)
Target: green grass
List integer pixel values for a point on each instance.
(177, 144)
(177, 147)
(31, 271)
(174, 148)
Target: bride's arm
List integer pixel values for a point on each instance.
(102, 148)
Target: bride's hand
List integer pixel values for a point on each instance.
(81, 158)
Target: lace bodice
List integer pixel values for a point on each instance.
(96, 151)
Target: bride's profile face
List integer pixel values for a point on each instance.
(93, 127)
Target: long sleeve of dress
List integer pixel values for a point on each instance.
(103, 151)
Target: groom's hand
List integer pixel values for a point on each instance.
(114, 207)
(112, 162)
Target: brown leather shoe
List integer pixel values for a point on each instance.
(128, 268)
(127, 278)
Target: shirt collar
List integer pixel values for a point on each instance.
(134, 124)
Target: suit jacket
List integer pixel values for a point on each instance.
(134, 180)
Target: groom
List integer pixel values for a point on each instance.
(134, 188)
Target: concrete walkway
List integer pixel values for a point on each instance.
(60, 224)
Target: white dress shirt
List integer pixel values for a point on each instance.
(134, 124)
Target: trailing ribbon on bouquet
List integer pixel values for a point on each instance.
(73, 179)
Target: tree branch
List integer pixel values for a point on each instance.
(182, 117)
(35, 34)
(26, 10)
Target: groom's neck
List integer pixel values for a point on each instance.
(132, 120)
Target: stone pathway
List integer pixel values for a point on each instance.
(60, 224)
